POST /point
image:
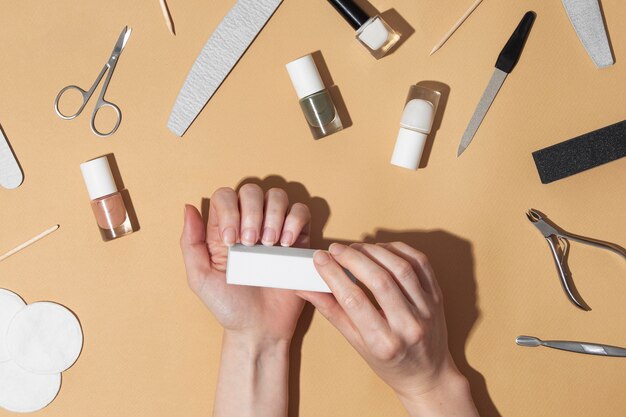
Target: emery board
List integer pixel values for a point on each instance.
(220, 54)
(10, 173)
(274, 267)
(581, 153)
(586, 17)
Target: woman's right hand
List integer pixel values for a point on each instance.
(405, 342)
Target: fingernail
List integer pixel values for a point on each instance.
(321, 257)
(286, 239)
(336, 249)
(248, 237)
(269, 236)
(229, 236)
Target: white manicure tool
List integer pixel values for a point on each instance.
(10, 173)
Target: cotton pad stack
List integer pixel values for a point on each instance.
(37, 342)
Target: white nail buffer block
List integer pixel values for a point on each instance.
(220, 54)
(10, 304)
(274, 267)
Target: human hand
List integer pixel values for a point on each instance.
(258, 314)
(405, 342)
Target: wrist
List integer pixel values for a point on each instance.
(447, 395)
(255, 344)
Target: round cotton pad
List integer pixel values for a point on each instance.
(44, 338)
(23, 391)
(10, 304)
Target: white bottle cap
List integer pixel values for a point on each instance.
(98, 177)
(305, 77)
(417, 120)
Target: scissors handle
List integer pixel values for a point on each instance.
(86, 95)
(99, 105)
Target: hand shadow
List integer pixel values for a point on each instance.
(452, 260)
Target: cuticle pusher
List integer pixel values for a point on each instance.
(571, 346)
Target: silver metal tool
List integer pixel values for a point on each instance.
(559, 246)
(11, 175)
(577, 347)
(110, 67)
(504, 65)
(586, 17)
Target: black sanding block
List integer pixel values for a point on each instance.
(581, 153)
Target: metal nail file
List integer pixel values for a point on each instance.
(10, 173)
(220, 54)
(586, 17)
(504, 65)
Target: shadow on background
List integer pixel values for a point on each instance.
(451, 258)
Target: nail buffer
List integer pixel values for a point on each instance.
(586, 17)
(581, 153)
(220, 54)
(10, 173)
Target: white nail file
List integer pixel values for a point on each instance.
(10, 173)
(586, 18)
(220, 54)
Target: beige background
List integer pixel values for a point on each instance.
(151, 349)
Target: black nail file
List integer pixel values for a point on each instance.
(581, 153)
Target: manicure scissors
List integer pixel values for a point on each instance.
(110, 67)
(559, 246)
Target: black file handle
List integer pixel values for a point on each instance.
(513, 49)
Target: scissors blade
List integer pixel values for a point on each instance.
(122, 40)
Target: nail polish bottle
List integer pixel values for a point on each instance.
(415, 125)
(372, 31)
(315, 100)
(107, 202)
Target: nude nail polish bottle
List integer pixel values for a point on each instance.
(107, 202)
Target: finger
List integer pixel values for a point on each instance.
(397, 308)
(368, 322)
(421, 265)
(276, 203)
(251, 203)
(193, 245)
(297, 222)
(402, 271)
(223, 217)
(328, 306)
(303, 241)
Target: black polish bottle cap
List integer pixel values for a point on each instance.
(351, 12)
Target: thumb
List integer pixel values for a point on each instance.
(193, 245)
